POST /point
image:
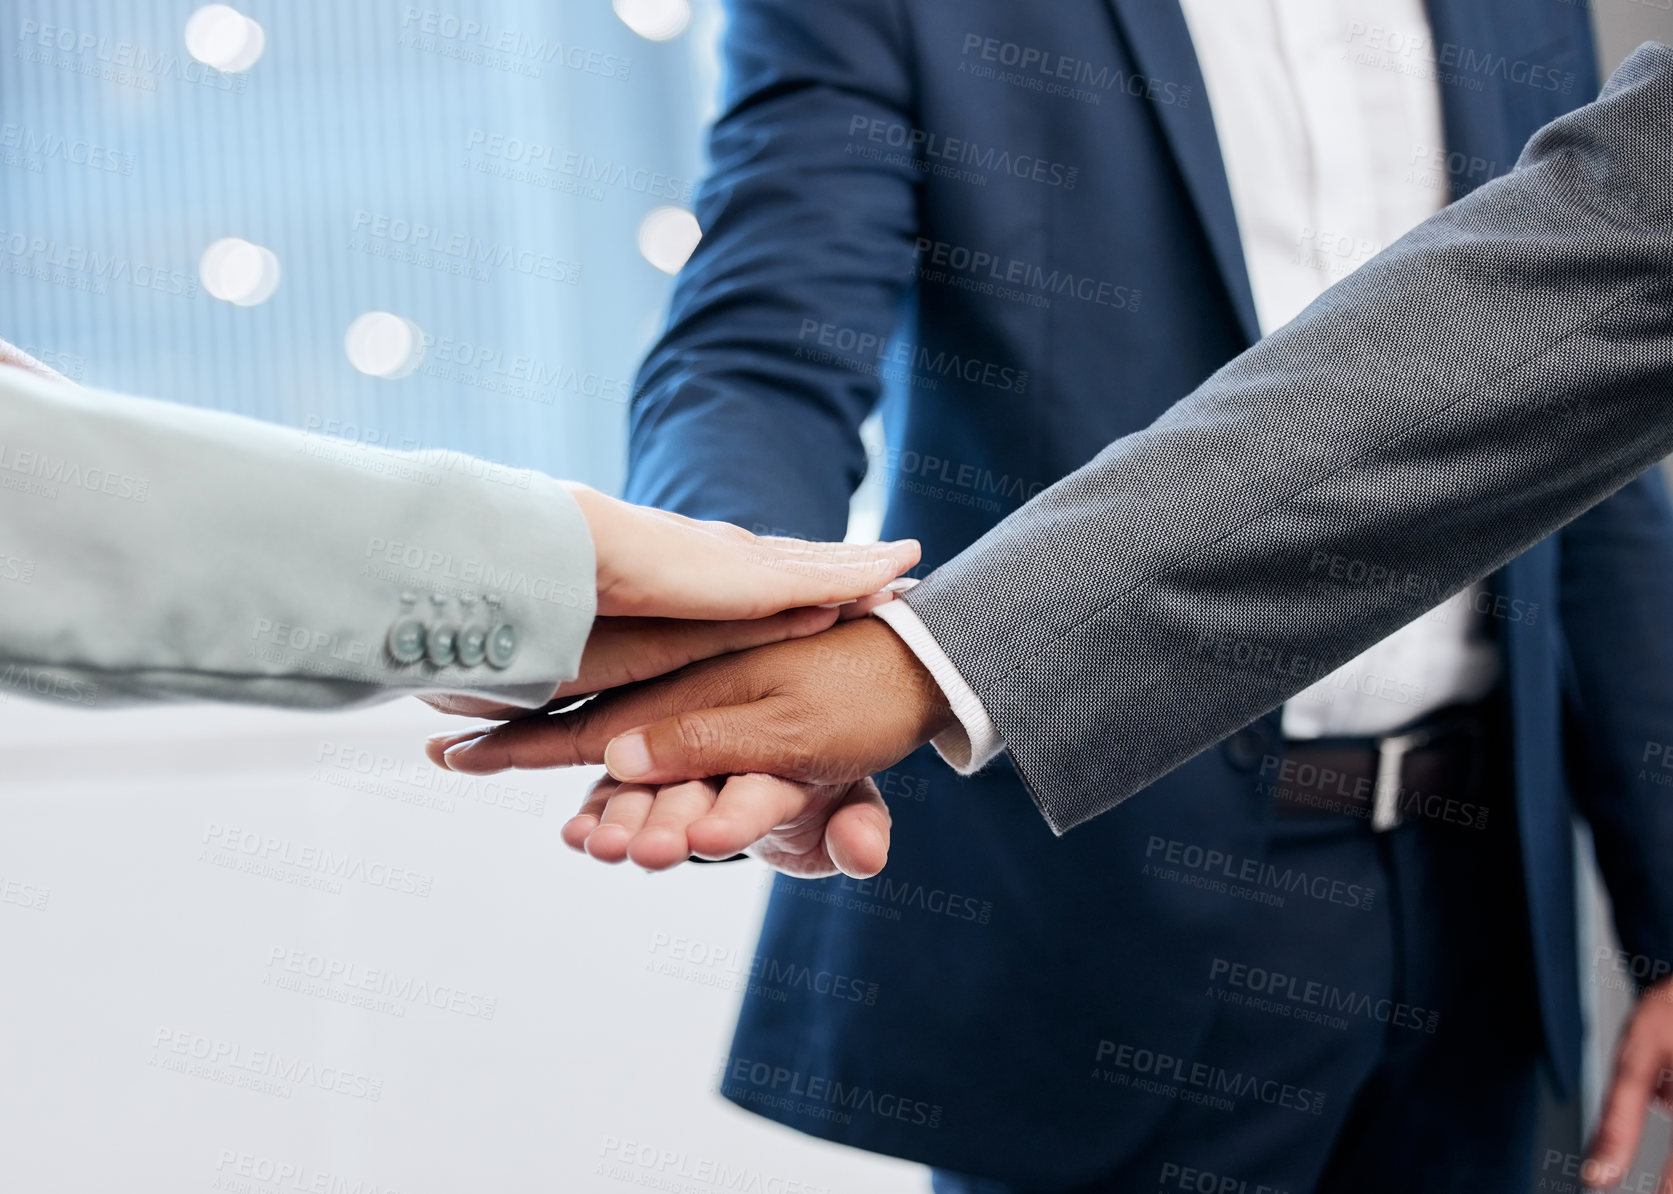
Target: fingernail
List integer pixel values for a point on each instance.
(628, 757)
(904, 584)
(453, 737)
(461, 749)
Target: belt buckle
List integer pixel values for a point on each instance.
(1391, 759)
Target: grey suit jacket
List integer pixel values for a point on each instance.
(1486, 379)
(149, 550)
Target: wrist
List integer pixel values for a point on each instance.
(906, 687)
(596, 509)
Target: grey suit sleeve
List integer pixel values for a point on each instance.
(1488, 378)
(152, 551)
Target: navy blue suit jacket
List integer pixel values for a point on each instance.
(1010, 223)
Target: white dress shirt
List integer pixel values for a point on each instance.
(1328, 156)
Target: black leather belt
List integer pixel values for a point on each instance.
(1435, 770)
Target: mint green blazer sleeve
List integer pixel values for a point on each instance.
(151, 551)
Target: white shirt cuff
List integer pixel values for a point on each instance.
(971, 744)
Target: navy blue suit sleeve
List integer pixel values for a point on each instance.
(1617, 598)
(749, 407)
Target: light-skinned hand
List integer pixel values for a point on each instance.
(673, 590)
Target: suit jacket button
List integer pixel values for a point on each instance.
(444, 642)
(473, 644)
(406, 641)
(1245, 749)
(502, 645)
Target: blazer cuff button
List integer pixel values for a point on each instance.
(444, 642)
(502, 645)
(406, 641)
(473, 645)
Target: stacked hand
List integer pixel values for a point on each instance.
(798, 727)
(672, 590)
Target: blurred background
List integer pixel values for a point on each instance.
(519, 208)
(417, 227)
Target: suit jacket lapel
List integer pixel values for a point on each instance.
(1160, 43)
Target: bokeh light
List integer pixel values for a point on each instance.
(382, 344)
(667, 237)
(220, 36)
(654, 20)
(236, 271)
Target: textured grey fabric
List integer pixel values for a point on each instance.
(1485, 380)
